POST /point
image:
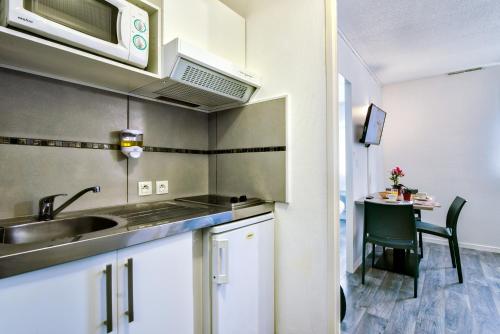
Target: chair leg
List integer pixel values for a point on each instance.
(373, 255)
(363, 262)
(457, 260)
(452, 252)
(421, 244)
(415, 273)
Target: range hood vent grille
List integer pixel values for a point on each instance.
(198, 76)
(201, 82)
(466, 71)
(192, 95)
(194, 78)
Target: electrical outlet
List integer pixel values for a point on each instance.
(161, 187)
(145, 188)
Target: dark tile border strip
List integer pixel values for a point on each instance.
(57, 143)
(249, 150)
(115, 147)
(225, 151)
(173, 150)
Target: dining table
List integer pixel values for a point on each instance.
(418, 204)
(396, 260)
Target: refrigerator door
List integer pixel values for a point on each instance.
(243, 280)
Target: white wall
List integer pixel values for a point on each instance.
(445, 132)
(286, 46)
(367, 174)
(208, 24)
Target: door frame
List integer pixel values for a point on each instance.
(332, 154)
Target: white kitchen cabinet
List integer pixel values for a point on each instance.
(67, 298)
(162, 281)
(72, 298)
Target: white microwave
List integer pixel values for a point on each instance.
(112, 28)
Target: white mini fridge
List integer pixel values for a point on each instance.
(238, 289)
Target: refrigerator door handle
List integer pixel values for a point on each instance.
(219, 261)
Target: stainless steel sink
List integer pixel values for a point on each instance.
(54, 229)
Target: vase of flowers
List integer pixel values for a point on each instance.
(396, 174)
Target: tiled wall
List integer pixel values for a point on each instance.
(250, 144)
(33, 107)
(57, 137)
(169, 127)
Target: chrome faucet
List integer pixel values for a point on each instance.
(46, 204)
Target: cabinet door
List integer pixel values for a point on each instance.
(243, 280)
(158, 277)
(64, 299)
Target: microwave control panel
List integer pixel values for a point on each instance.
(139, 32)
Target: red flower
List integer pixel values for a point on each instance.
(396, 173)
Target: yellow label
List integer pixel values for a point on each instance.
(130, 143)
(250, 235)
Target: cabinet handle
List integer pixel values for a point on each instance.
(109, 300)
(130, 270)
(220, 261)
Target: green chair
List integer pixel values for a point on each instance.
(418, 217)
(343, 304)
(391, 226)
(449, 232)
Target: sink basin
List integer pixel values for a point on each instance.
(54, 229)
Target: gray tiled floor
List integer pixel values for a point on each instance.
(385, 304)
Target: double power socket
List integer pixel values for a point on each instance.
(146, 188)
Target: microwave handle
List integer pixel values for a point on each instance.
(119, 30)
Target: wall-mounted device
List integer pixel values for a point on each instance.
(374, 126)
(195, 78)
(112, 28)
(131, 143)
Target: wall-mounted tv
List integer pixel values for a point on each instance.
(374, 125)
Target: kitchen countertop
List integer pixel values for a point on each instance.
(137, 223)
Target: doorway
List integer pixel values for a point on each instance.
(342, 173)
(346, 203)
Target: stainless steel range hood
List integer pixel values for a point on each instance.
(198, 79)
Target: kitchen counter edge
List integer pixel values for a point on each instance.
(15, 260)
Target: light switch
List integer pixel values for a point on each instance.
(161, 187)
(145, 188)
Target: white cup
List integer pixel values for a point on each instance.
(392, 197)
(421, 195)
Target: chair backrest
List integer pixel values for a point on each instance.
(454, 211)
(390, 221)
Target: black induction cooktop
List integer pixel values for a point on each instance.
(231, 202)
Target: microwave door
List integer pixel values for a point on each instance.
(98, 26)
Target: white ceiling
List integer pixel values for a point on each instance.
(407, 39)
(239, 6)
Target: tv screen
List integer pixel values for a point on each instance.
(374, 125)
